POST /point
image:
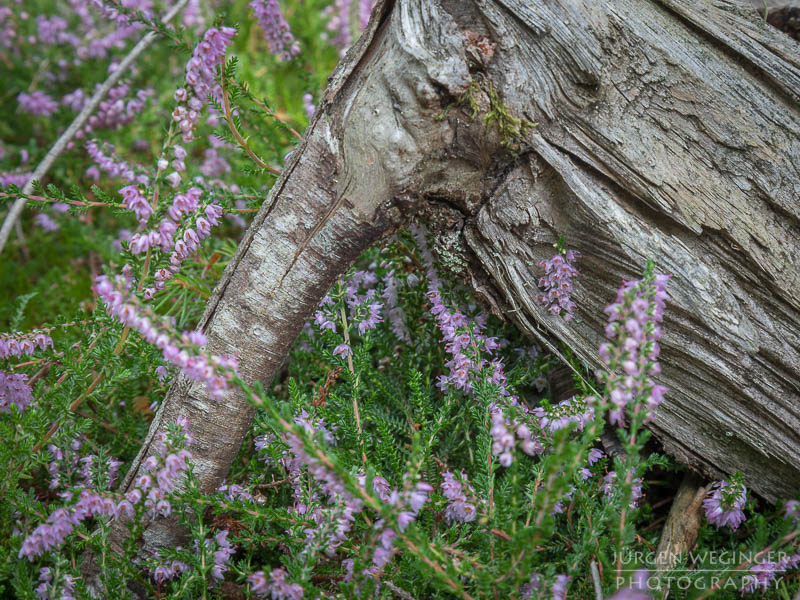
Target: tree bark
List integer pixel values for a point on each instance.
(666, 129)
(682, 526)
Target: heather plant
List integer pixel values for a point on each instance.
(411, 448)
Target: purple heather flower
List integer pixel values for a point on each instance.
(192, 16)
(14, 389)
(572, 410)
(52, 31)
(324, 318)
(461, 337)
(222, 555)
(62, 521)
(96, 472)
(8, 32)
(62, 588)
(276, 587)
(792, 511)
(121, 19)
(17, 179)
(557, 284)
(75, 100)
(459, 509)
(471, 355)
(258, 583)
(409, 503)
(313, 426)
(37, 103)
(342, 350)
(48, 29)
(169, 571)
(336, 521)
(372, 319)
(610, 480)
(533, 585)
(636, 491)
(133, 200)
(173, 179)
(339, 23)
(44, 221)
(417, 498)
(214, 164)
(595, 454)
(161, 373)
(558, 507)
(201, 70)
(188, 204)
(100, 47)
(559, 589)
(235, 491)
(761, 574)
(215, 371)
(114, 112)
(276, 30)
(201, 73)
(65, 468)
(308, 105)
(394, 311)
(19, 345)
(365, 312)
(111, 165)
(631, 358)
(608, 483)
(725, 503)
(364, 10)
(326, 478)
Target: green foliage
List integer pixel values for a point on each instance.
(510, 128)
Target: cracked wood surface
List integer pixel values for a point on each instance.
(665, 131)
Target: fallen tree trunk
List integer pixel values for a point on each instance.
(666, 130)
(669, 131)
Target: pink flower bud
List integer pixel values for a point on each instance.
(174, 179)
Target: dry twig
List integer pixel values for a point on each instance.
(43, 167)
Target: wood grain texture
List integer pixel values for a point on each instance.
(680, 530)
(668, 130)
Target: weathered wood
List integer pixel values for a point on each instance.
(667, 130)
(665, 133)
(682, 525)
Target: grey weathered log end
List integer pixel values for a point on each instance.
(682, 526)
(666, 130)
